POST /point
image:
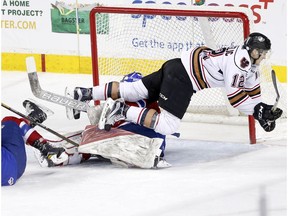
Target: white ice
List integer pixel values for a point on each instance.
(208, 178)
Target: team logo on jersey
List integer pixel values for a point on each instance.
(244, 62)
(11, 181)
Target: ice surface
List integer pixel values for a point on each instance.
(224, 177)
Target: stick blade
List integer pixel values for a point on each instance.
(30, 64)
(105, 112)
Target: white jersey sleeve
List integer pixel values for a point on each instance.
(229, 68)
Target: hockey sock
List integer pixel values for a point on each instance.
(138, 115)
(102, 92)
(28, 133)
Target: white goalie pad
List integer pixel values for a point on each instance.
(117, 144)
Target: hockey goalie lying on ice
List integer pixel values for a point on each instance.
(94, 113)
(125, 147)
(127, 144)
(121, 146)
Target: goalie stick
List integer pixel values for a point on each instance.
(40, 125)
(274, 80)
(50, 96)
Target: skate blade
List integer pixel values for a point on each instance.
(70, 113)
(105, 112)
(40, 158)
(45, 109)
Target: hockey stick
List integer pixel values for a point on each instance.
(274, 80)
(49, 96)
(40, 125)
(61, 140)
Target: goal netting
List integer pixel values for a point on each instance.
(125, 39)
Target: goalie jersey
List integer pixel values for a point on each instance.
(229, 68)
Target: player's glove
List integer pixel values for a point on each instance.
(264, 112)
(55, 156)
(267, 125)
(266, 117)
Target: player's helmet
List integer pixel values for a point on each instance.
(257, 41)
(132, 77)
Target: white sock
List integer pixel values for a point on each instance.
(134, 114)
(99, 92)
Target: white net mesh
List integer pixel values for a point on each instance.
(142, 41)
(267, 89)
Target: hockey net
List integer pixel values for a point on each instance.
(139, 39)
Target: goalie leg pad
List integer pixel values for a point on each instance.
(134, 149)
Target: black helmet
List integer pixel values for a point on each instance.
(257, 40)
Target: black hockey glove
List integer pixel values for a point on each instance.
(264, 112)
(266, 117)
(267, 125)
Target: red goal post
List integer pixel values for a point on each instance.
(127, 39)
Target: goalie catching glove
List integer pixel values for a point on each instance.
(266, 116)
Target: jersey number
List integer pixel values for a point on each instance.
(238, 81)
(225, 50)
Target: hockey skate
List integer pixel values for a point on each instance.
(45, 109)
(48, 155)
(36, 114)
(113, 111)
(80, 94)
(161, 163)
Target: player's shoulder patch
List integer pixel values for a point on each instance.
(242, 59)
